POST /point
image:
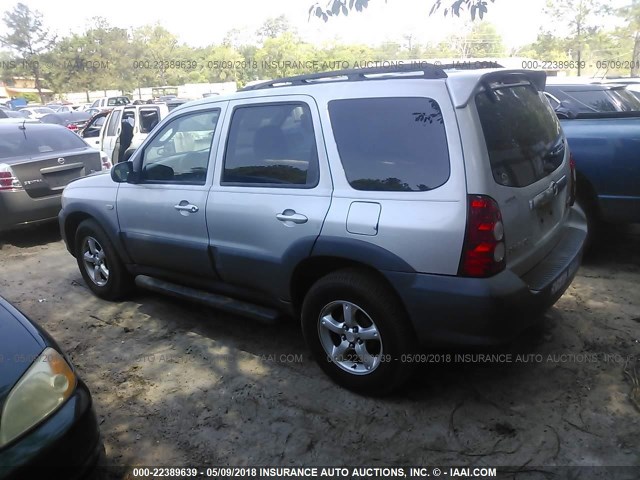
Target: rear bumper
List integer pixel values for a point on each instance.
(18, 208)
(66, 445)
(487, 311)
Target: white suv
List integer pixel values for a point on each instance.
(386, 209)
(142, 118)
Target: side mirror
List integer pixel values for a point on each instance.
(121, 172)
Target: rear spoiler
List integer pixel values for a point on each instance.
(465, 85)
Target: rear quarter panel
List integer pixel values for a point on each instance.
(423, 229)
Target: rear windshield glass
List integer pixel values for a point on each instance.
(602, 100)
(115, 101)
(391, 144)
(40, 141)
(522, 133)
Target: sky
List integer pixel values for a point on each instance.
(201, 22)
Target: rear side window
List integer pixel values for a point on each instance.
(523, 135)
(391, 144)
(149, 118)
(38, 141)
(115, 101)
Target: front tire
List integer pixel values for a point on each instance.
(99, 263)
(358, 332)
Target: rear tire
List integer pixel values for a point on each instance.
(358, 332)
(99, 263)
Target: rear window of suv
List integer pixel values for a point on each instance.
(391, 144)
(523, 135)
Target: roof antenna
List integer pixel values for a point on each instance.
(22, 127)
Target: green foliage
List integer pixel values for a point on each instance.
(273, 28)
(104, 57)
(573, 31)
(28, 39)
(333, 8)
(475, 7)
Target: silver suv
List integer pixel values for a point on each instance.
(385, 208)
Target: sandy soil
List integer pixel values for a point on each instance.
(178, 384)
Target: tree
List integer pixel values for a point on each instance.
(160, 53)
(484, 41)
(581, 17)
(631, 14)
(547, 47)
(273, 28)
(285, 55)
(334, 8)
(28, 39)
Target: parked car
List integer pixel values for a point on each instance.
(110, 102)
(74, 121)
(93, 128)
(62, 108)
(48, 421)
(36, 113)
(6, 113)
(602, 125)
(386, 208)
(36, 162)
(143, 118)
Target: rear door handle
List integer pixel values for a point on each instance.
(186, 207)
(291, 216)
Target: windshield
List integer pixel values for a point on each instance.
(597, 100)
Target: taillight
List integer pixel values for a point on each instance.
(8, 179)
(72, 126)
(104, 159)
(484, 251)
(573, 181)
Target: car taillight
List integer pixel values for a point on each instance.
(573, 181)
(8, 179)
(484, 251)
(72, 126)
(104, 159)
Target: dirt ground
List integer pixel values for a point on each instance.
(179, 384)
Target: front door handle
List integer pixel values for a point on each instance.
(291, 216)
(185, 206)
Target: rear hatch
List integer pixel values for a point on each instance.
(45, 158)
(529, 169)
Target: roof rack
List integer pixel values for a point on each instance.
(406, 70)
(414, 69)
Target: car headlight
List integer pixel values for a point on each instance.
(39, 393)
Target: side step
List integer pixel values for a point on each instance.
(261, 314)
